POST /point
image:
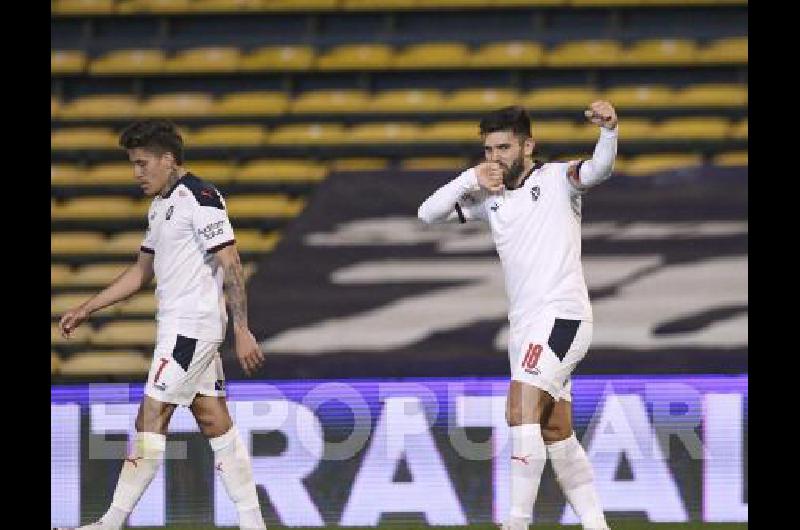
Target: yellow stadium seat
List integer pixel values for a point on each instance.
(297, 5)
(637, 129)
(76, 242)
(141, 207)
(65, 174)
(98, 274)
(661, 51)
(734, 158)
(567, 97)
(451, 131)
(83, 138)
(479, 99)
(159, 6)
(59, 275)
(214, 171)
(356, 57)
(94, 208)
(212, 6)
(252, 104)
(126, 333)
(554, 131)
(256, 241)
(383, 133)
(106, 363)
(279, 170)
(377, 4)
(55, 363)
(123, 243)
(415, 100)
(55, 107)
(633, 97)
(690, 128)
(584, 132)
(739, 130)
(311, 133)
(109, 173)
(228, 136)
(359, 164)
(508, 55)
(61, 303)
(101, 106)
(254, 206)
(330, 101)
(278, 58)
(585, 53)
(646, 164)
(83, 7)
(80, 335)
(712, 95)
(730, 50)
(67, 61)
(433, 55)
(210, 59)
(129, 62)
(142, 304)
(434, 163)
(181, 104)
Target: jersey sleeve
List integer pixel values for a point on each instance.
(210, 221)
(148, 244)
(470, 207)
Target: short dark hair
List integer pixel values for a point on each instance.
(514, 119)
(158, 136)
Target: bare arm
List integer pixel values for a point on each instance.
(132, 280)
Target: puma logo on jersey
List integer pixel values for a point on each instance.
(523, 459)
(133, 460)
(494, 207)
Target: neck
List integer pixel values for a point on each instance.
(176, 174)
(527, 165)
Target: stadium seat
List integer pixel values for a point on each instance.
(55, 364)
(210, 59)
(648, 164)
(255, 206)
(106, 363)
(690, 128)
(585, 132)
(432, 55)
(730, 50)
(507, 55)
(55, 107)
(213, 6)
(83, 138)
(330, 101)
(434, 163)
(359, 164)
(67, 61)
(295, 5)
(646, 96)
(177, 105)
(123, 243)
(733, 158)
(356, 57)
(83, 7)
(64, 174)
(80, 335)
(252, 104)
(554, 131)
(712, 95)
(98, 274)
(382, 133)
(159, 6)
(311, 133)
(479, 99)
(738, 130)
(585, 53)
(256, 241)
(280, 170)
(125, 333)
(61, 303)
(109, 174)
(140, 304)
(637, 129)
(661, 51)
(228, 136)
(129, 62)
(451, 131)
(377, 4)
(567, 97)
(100, 106)
(215, 171)
(94, 208)
(75, 242)
(59, 275)
(402, 100)
(278, 58)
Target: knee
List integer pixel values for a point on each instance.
(212, 428)
(556, 433)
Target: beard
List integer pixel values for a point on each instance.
(512, 173)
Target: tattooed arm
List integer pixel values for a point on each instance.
(247, 349)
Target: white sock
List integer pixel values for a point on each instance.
(137, 472)
(574, 474)
(527, 462)
(232, 462)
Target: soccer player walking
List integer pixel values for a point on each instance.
(534, 211)
(190, 249)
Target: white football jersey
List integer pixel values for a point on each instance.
(537, 232)
(185, 227)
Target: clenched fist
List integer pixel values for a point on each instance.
(490, 176)
(602, 113)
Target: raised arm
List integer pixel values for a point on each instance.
(132, 280)
(586, 174)
(447, 204)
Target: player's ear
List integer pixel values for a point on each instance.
(528, 146)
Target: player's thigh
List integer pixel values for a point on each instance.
(526, 403)
(557, 422)
(211, 413)
(154, 415)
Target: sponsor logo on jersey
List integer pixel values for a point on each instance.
(211, 230)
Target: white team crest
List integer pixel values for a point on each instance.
(535, 192)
